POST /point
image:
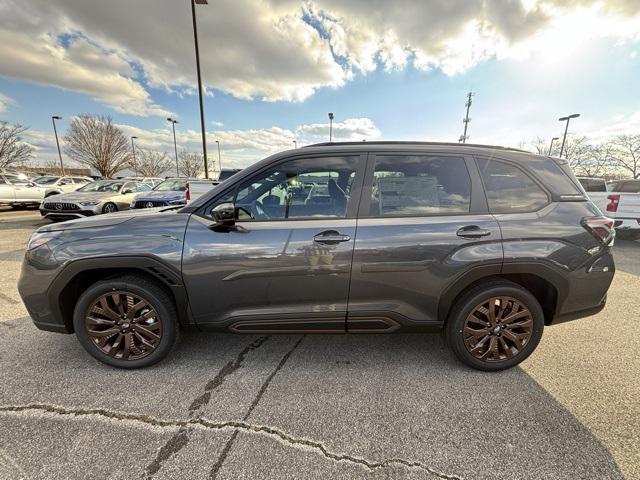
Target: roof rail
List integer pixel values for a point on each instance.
(387, 142)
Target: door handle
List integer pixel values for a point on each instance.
(331, 237)
(472, 231)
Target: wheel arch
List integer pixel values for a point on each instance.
(78, 275)
(545, 286)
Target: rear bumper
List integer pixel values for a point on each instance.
(627, 224)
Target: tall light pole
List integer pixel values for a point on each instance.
(330, 126)
(55, 131)
(175, 145)
(133, 149)
(295, 144)
(566, 128)
(551, 146)
(219, 158)
(195, 37)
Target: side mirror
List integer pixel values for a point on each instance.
(224, 214)
(127, 191)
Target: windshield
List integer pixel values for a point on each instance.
(176, 185)
(102, 186)
(45, 180)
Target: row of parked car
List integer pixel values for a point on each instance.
(69, 197)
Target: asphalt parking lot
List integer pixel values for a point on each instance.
(292, 406)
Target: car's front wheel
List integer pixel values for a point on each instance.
(109, 208)
(495, 326)
(126, 322)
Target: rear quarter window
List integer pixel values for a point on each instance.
(509, 189)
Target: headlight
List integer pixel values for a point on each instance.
(39, 239)
(88, 202)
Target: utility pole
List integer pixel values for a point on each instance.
(175, 145)
(566, 119)
(202, 127)
(55, 131)
(133, 150)
(463, 138)
(330, 127)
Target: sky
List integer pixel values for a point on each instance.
(273, 69)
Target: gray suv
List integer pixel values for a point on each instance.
(487, 244)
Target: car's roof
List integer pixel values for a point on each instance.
(410, 144)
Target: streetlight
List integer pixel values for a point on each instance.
(195, 37)
(175, 145)
(551, 146)
(53, 120)
(219, 160)
(133, 149)
(295, 144)
(566, 128)
(330, 126)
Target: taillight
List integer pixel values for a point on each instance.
(614, 201)
(187, 193)
(601, 227)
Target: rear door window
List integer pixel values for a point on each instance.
(419, 185)
(509, 189)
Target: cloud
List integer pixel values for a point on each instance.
(352, 129)
(6, 102)
(280, 50)
(217, 123)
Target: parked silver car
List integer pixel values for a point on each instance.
(103, 196)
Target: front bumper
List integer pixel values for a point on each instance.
(68, 211)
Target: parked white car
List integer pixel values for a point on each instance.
(19, 192)
(619, 200)
(55, 185)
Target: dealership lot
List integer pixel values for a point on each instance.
(291, 406)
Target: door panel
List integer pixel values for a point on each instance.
(285, 264)
(402, 266)
(269, 271)
(422, 224)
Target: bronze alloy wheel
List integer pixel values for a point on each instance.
(123, 325)
(498, 329)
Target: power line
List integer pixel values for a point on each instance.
(464, 137)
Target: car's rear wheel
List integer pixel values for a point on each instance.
(495, 326)
(127, 322)
(109, 208)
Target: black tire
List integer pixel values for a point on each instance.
(474, 298)
(154, 294)
(18, 206)
(109, 207)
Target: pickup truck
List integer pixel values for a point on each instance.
(619, 200)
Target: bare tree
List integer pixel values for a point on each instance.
(150, 163)
(13, 150)
(626, 153)
(96, 142)
(190, 164)
(53, 165)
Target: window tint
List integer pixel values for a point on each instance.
(593, 184)
(405, 185)
(509, 189)
(630, 187)
(556, 179)
(307, 188)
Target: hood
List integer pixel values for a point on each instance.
(108, 220)
(80, 196)
(168, 196)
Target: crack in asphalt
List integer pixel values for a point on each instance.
(235, 426)
(181, 438)
(227, 448)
